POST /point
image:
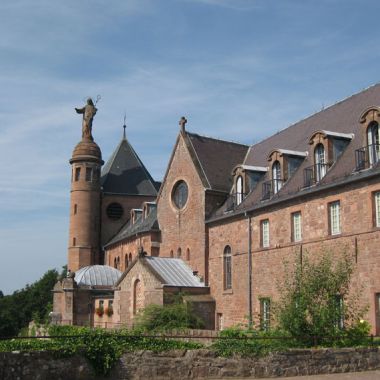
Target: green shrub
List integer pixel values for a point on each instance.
(317, 305)
(102, 348)
(250, 342)
(176, 316)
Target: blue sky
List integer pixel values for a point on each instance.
(237, 69)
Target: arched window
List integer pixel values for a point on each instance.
(130, 257)
(138, 296)
(227, 268)
(276, 176)
(126, 261)
(320, 162)
(373, 143)
(115, 263)
(118, 262)
(239, 190)
(179, 252)
(187, 254)
(171, 254)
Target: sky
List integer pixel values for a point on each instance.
(238, 70)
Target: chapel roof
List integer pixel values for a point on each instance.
(97, 275)
(124, 173)
(217, 158)
(143, 223)
(169, 271)
(174, 272)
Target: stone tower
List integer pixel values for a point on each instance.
(86, 161)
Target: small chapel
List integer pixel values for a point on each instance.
(225, 217)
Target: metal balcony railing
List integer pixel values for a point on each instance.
(234, 200)
(314, 173)
(271, 187)
(367, 156)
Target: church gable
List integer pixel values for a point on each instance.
(181, 167)
(181, 209)
(137, 288)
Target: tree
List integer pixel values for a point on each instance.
(317, 300)
(35, 300)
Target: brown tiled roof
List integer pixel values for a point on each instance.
(342, 117)
(216, 159)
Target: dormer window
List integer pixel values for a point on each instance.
(147, 208)
(136, 213)
(369, 154)
(326, 148)
(284, 164)
(246, 178)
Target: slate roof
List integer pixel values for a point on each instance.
(217, 158)
(341, 118)
(173, 272)
(169, 271)
(141, 225)
(124, 173)
(97, 275)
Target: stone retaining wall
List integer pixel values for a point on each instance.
(190, 364)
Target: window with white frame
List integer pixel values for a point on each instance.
(339, 319)
(373, 139)
(265, 233)
(297, 226)
(265, 313)
(334, 211)
(320, 162)
(239, 190)
(377, 208)
(276, 177)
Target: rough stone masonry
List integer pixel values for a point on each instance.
(190, 364)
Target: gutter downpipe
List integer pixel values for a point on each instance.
(250, 314)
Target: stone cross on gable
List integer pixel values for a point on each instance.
(182, 123)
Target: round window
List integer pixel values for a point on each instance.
(180, 194)
(115, 211)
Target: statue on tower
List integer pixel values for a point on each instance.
(88, 111)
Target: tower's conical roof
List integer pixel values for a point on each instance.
(124, 173)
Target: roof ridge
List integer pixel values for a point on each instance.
(317, 112)
(217, 139)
